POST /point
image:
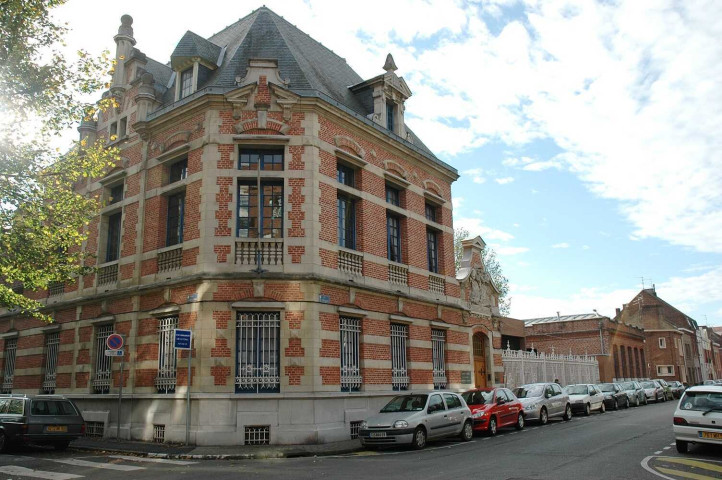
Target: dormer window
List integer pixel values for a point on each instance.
(178, 171)
(393, 196)
(115, 194)
(186, 82)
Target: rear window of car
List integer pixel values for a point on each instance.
(704, 401)
(12, 406)
(529, 391)
(52, 407)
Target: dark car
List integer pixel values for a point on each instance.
(494, 408)
(677, 388)
(39, 419)
(614, 396)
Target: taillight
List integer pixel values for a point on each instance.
(680, 421)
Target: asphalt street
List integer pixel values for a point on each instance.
(636, 443)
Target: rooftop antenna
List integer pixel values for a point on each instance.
(642, 282)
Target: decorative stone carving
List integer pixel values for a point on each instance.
(481, 289)
(350, 144)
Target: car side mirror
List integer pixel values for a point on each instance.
(547, 395)
(500, 401)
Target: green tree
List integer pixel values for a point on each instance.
(491, 264)
(42, 215)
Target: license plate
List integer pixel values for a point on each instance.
(715, 435)
(377, 434)
(56, 428)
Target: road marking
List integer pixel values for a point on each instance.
(666, 448)
(658, 452)
(680, 473)
(645, 466)
(693, 463)
(85, 463)
(152, 460)
(29, 472)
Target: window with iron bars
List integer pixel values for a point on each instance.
(11, 346)
(438, 352)
(399, 362)
(103, 364)
(52, 344)
(350, 330)
(165, 381)
(257, 435)
(258, 352)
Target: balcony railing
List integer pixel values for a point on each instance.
(266, 251)
(170, 260)
(436, 284)
(108, 274)
(350, 262)
(398, 274)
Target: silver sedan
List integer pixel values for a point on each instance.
(542, 401)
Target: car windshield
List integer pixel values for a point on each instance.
(529, 391)
(477, 397)
(628, 386)
(405, 403)
(606, 387)
(576, 389)
(703, 401)
(648, 385)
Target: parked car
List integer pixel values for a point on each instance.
(653, 390)
(39, 419)
(666, 387)
(494, 408)
(635, 393)
(614, 396)
(542, 401)
(415, 418)
(677, 389)
(585, 398)
(698, 417)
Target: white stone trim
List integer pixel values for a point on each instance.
(260, 306)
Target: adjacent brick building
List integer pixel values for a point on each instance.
(671, 337)
(277, 205)
(618, 347)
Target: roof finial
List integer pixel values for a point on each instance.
(390, 65)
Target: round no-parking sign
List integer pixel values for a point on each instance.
(114, 341)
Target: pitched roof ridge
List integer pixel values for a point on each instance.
(254, 12)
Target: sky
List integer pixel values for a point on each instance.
(587, 134)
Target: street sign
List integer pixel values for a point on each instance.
(114, 353)
(182, 339)
(114, 341)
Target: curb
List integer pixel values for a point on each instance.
(224, 456)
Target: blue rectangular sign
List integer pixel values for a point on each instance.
(183, 339)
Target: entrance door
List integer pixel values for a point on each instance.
(480, 360)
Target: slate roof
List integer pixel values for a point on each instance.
(192, 45)
(310, 68)
(563, 318)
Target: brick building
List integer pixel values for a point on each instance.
(273, 202)
(618, 347)
(671, 337)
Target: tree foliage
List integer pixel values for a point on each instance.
(42, 215)
(491, 264)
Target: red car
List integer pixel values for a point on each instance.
(494, 408)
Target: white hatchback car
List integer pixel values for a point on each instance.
(698, 418)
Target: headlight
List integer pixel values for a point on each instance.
(532, 406)
(401, 424)
(364, 425)
(478, 414)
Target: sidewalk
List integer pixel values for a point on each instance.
(228, 452)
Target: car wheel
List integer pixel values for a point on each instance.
(616, 405)
(60, 446)
(645, 400)
(543, 417)
(419, 440)
(603, 408)
(656, 398)
(567, 413)
(3, 442)
(626, 403)
(492, 427)
(467, 432)
(587, 410)
(519, 422)
(682, 446)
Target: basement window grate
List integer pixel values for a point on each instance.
(158, 433)
(94, 429)
(354, 429)
(258, 435)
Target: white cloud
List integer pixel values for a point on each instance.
(561, 245)
(476, 174)
(504, 180)
(457, 202)
(509, 251)
(586, 247)
(475, 226)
